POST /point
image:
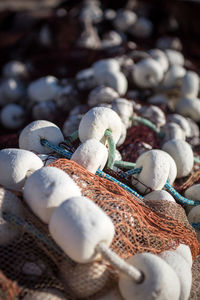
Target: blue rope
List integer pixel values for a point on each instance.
(57, 149)
(125, 175)
(178, 197)
(134, 171)
(100, 173)
(196, 225)
(167, 186)
(124, 186)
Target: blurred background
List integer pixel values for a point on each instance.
(39, 30)
(60, 38)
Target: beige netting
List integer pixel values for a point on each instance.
(172, 209)
(35, 264)
(195, 290)
(137, 227)
(193, 178)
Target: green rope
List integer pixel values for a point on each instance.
(148, 124)
(196, 160)
(73, 137)
(100, 173)
(168, 187)
(124, 164)
(111, 147)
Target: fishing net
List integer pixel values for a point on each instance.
(34, 267)
(135, 223)
(191, 180)
(131, 149)
(138, 139)
(8, 288)
(195, 290)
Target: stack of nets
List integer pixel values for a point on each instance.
(33, 262)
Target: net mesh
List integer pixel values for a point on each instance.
(34, 268)
(8, 289)
(195, 290)
(192, 179)
(137, 138)
(136, 225)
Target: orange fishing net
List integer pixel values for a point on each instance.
(31, 265)
(8, 289)
(156, 227)
(138, 228)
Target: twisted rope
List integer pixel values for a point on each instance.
(124, 164)
(148, 124)
(111, 147)
(196, 160)
(122, 185)
(178, 197)
(134, 171)
(152, 126)
(167, 186)
(56, 149)
(100, 173)
(119, 263)
(73, 137)
(196, 225)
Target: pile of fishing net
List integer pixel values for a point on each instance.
(34, 265)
